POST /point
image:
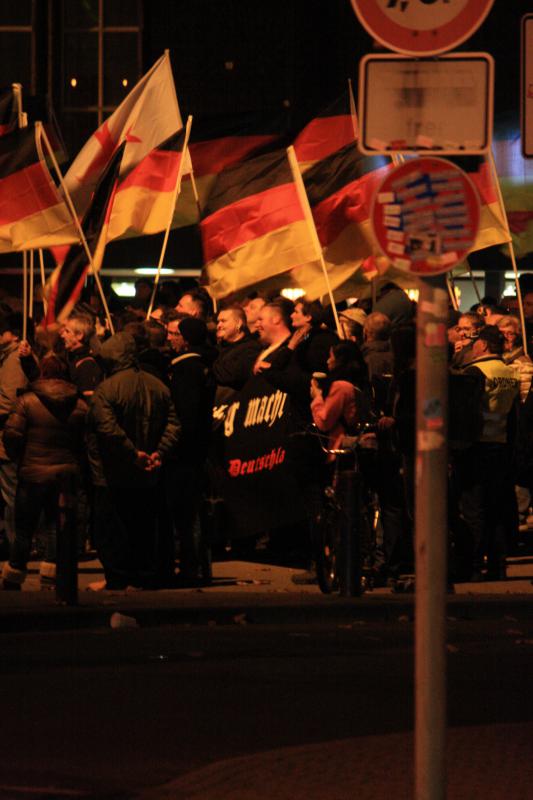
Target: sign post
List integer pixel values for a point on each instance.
(425, 218)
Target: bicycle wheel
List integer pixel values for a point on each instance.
(328, 548)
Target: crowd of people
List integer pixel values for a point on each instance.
(127, 420)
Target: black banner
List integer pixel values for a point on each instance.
(255, 469)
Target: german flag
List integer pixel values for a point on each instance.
(66, 282)
(333, 128)
(219, 142)
(254, 226)
(492, 226)
(340, 190)
(32, 213)
(143, 198)
(8, 110)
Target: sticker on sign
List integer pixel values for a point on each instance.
(421, 27)
(425, 216)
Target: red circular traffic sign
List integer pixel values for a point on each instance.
(425, 215)
(421, 27)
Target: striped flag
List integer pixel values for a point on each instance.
(66, 282)
(220, 142)
(340, 190)
(143, 198)
(492, 227)
(8, 110)
(32, 213)
(254, 226)
(333, 128)
(146, 117)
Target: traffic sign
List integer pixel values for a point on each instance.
(425, 215)
(441, 106)
(421, 27)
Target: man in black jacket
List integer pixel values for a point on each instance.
(192, 387)
(133, 430)
(237, 353)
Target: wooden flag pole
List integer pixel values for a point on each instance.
(451, 291)
(511, 248)
(77, 224)
(31, 287)
(22, 121)
(177, 189)
(474, 284)
(24, 295)
(297, 175)
(43, 279)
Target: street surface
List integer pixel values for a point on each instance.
(307, 710)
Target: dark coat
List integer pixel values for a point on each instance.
(312, 353)
(85, 371)
(192, 387)
(233, 365)
(129, 411)
(45, 431)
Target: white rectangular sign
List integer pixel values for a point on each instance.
(526, 93)
(437, 106)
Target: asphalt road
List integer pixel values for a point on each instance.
(106, 713)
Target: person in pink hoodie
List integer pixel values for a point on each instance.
(340, 399)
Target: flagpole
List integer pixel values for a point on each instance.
(353, 112)
(43, 279)
(24, 295)
(297, 175)
(77, 224)
(30, 301)
(22, 121)
(451, 291)
(511, 249)
(177, 189)
(474, 284)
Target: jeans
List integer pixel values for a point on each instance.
(32, 500)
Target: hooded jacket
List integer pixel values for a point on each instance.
(45, 431)
(129, 411)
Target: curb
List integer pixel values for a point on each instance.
(259, 611)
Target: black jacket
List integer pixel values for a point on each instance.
(233, 365)
(129, 411)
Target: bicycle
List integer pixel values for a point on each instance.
(348, 523)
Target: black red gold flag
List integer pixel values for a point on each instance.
(254, 226)
(66, 282)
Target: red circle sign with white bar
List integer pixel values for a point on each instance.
(425, 215)
(421, 27)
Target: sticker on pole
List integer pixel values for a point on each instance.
(425, 216)
(421, 27)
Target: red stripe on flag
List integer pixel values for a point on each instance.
(323, 136)
(158, 171)
(24, 193)
(351, 204)
(249, 218)
(484, 183)
(211, 157)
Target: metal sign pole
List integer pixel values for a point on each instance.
(431, 475)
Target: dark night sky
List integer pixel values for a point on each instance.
(294, 50)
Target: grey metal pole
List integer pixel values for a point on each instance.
(431, 532)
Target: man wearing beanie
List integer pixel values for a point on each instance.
(192, 387)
